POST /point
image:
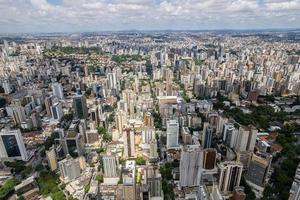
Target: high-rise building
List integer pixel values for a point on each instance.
(112, 80)
(57, 90)
(69, 168)
(153, 149)
(209, 158)
(17, 113)
(207, 136)
(295, 189)
(229, 134)
(230, 174)
(259, 168)
(129, 177)
(148, 119)
(191, 163)
(246, 139)
(120, 120)
(110, 166)
(12, 145)
(172, 133)
(129, 143)
(148, 134)
(56, 111)
(80, 106)
(154, 181)
(51, 157)
(186, 136)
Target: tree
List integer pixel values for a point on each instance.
(101, 131)
(7, 189)
(99, 178)
(140, 160)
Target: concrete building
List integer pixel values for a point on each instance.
(129, 143)
(172, 133)
(12, 145)
(191, 164)
(230, 174)
(51, 157)
(57, 90)
(295, 189)
(80, 106)
(110, 166)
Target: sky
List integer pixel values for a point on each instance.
(22, 16)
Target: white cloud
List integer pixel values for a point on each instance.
(87, 15)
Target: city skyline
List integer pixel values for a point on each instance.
(41, 16)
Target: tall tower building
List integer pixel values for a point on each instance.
(56, 111)
(57, 90)
(230, 174)
(80, 106)
(207, 136)
(229, 134)
(112, 81)
(259, 168)
(172, 133)
(148, 134)
(129, 143)
(69, 168)
(51, 157)
(209, 158)
(295, 189)
(191, 163)
(246, 139)
(12, 145)
(110, 166)
(153, 149)
(148, 119)
(121, 120)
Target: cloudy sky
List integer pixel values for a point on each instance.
(100, 15)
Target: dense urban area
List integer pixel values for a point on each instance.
(150, 116)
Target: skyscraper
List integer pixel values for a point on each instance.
(80, 107)
(259, 168)
(57, 90)
(51, 157)
(229, 134)
(129, 143)
(110, 166)
(209, 158)
(295, 189)
(191, 163)
(56, 111)
(69, 168)
(12, 145)
(148, 119)
(120, 120)
(172, 133)
(112, 81)
(153, 149)
(207, 135)
(230, 174)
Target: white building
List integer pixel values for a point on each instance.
(172, 133)
(69, 168)
(191, 165)
(230, 174)
(57, 90)
(12, 145)
(110, 166)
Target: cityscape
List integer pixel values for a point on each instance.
(168, 113)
